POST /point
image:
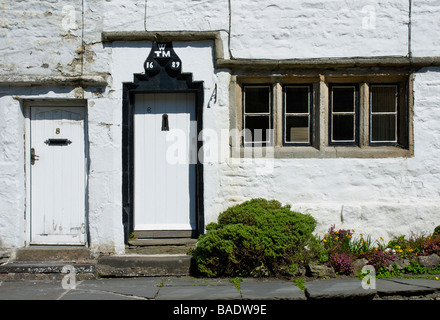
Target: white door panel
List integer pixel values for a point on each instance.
(164, 162)
(58, 175)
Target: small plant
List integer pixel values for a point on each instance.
(132, 236)
(337, 240)
(236, 283)
(431, 245)
(360, 245)
(389, 272)
(381, 259)
(415, 268)
(342, 263)
(300, 283)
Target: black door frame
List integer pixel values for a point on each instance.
(162, 82)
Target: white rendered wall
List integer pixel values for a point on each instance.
(383, 197)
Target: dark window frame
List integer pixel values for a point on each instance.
(399, 114)
(285, 114)
(270, 114)
(355, 142)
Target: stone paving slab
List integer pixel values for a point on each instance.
(79, 294)
(387, 287)
(270, 290)
(188, 288)
(338, 289)
(31, 290)
(198, 293)
(191, 281)
(146, 288)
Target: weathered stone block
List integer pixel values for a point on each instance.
(430, 262)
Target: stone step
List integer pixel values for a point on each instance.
(160, 246)
(163, 242)
(47, 263)
(133, 265)
(46, 270)
(54, 253)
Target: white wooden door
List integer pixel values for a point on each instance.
(58, 175)
(165, 143)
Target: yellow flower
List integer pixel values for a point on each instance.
(353, 231)
(337, 238)
(382, 239)
(337, 232)
(325, 240)
(349, 237)
(436, 278)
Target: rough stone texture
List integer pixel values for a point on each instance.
(143, 265)
(319, 270)
(336, 289)
(404, 287)
(270, 290)
(56, 253)
(429, 262)
(358, 264)
(402, 263)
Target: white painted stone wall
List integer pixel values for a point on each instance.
(382, 197)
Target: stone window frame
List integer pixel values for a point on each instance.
(320, 146)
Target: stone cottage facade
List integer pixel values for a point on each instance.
(151, 117)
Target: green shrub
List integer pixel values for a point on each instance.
(258, 237)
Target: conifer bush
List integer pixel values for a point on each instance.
(257, 237)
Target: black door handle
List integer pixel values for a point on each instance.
(34, 157)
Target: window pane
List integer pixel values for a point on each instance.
(383, 99)
(257, 126)
(297, 100)
(297, 129)
(257, 99)
(343, 99)
(343, 128)
(383, 127)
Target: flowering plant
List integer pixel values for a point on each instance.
(431, 245)
(381, 259)
(337, 241)
(342, 263)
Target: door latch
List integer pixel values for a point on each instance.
(34, 157)
(165, 125)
